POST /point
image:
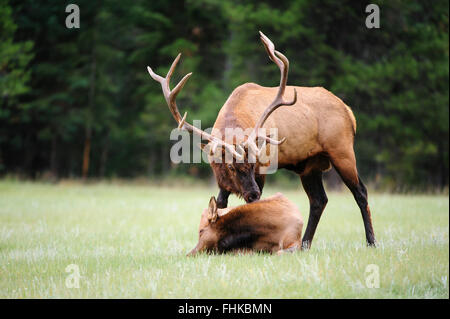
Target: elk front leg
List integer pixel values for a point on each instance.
(222, 198)
(312, 183)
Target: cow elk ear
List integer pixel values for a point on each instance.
(212, 210)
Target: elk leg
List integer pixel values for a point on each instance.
(260, 180)
(222, 198)
(346, 167)
(312, 183)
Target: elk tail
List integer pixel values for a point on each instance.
(352, 118)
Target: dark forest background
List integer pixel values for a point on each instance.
(80, 103)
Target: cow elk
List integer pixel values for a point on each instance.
(272, 225)
(316, 131)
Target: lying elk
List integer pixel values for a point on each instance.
(317, 130)
(272, 225)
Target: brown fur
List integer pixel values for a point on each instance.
(319, 129)
(227, 175)
(270, 225)
(318, 123)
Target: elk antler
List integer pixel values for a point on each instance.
(170, 96)
(283, 63)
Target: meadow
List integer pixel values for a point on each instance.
(130, 241)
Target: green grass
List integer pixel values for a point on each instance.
(130, 241)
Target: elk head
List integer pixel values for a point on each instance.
(234, 171)
(207, 235)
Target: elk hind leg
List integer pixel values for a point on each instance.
(345, 165)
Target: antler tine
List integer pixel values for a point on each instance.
(178, 87)
(273, 141)
(172, 68)
(280, 60)
(183, 120)
(170, 95)
(284, 73)
(283, 63)
(269, 46)
(155, 76)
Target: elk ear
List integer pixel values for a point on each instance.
(212, 210)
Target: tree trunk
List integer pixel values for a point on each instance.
(165, 159)
(30, 154)
(91, 101)
(86, 152)
(54, 158)
(441, 165)
(151, 163)
(104, 157)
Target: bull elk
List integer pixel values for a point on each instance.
(272, 225)
(317, 131)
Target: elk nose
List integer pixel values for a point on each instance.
(253, 196)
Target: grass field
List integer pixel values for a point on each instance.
(130, 241)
